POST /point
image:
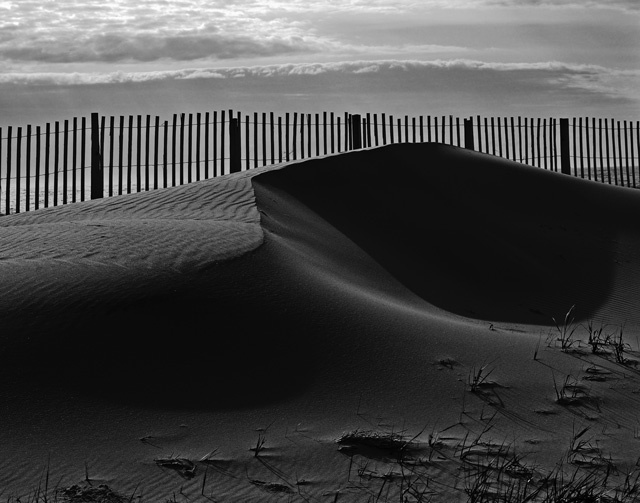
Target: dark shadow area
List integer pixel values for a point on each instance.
(473, 234)
(207, 341)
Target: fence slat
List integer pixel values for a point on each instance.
(28, 168)
(206, 145)
(235, 145)
(506, 138)
(247, 143)
(532, 141)
(332, 115)
(468, 134)
(286, 136)
(272, 138)
(18, 163)
(37, 166)
(56, 161)
(279, 139)
(65, 165)
(620, 159)
(631, 149)
(301, 136)
(156, 137)
(295, 136)
(348, 138)
(513, 138)
(215, 143)
(1, 166)
(406, 129)
(565, 155)
(83, 157)
(600, 151)
(255, 139)
(189, 149)
(413, 129)
(129, 153)
(580, 147)
(324, 133)
(538, 142)
(593, 140)
(165, 154)
(611, 148)
(626, 155)
(111, 144)
(120, 155)
(637, 145)
(8, 184)
(147, 143)
(384, 129)
(356, 131)
(309, 135)
(318, 134)
(97, 179)
(493, 137)
(138, 153)
(544, 143)
(435, 129)
(181, 148)
(222, 137)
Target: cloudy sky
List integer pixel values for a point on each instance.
(537, 58)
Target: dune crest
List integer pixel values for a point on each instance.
(478, 236)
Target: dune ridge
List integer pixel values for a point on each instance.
(301, 301)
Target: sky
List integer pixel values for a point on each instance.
(537, 58)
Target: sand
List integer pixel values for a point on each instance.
(150, 341)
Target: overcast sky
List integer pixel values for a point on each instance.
(537, 58)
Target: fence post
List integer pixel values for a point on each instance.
(97, 189)
(235, 147)
(356, 131)
(565, 156)
(468, 134)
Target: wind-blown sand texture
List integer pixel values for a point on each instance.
(150, 341)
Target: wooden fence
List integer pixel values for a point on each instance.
(74, 161)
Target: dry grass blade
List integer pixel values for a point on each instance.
(566, 330)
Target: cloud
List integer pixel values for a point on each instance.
(392, 75)
(112, 48)
(438, 87)
(66, 32)
(72, 31)
(627, 5)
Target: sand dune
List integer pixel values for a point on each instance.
(300, 301)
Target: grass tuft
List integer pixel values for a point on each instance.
(566, 330)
